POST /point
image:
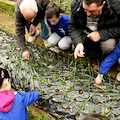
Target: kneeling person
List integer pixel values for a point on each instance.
(59, 27)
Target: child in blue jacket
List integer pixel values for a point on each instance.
(59, 27)
(13, 105)
(107, 63)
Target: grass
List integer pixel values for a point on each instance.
(8, 8)
(36, 114)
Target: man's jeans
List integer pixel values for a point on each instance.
(44, 30)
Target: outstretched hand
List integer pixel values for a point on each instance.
(79, 51)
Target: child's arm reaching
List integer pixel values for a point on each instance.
(30, 97)
(108, 62)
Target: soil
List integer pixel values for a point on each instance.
(7, 23)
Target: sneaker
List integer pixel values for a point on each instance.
(55, 49)
(119, 60)
(32, 38)
(118, 76)
(46, 44)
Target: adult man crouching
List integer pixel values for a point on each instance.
(28, 13)
(94, 26)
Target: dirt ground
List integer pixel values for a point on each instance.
(7, 23)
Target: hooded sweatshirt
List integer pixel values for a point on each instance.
(13, 107)
(61, 28)
(6, 100)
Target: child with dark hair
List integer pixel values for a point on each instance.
(58, 23)
(95, 117)
(13, 104)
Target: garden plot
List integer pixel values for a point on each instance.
(66, 86)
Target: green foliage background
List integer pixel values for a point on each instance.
(4, 7)
(65, 5)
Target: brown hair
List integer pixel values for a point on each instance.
(51, 10)
(3, 74)
(98, 2)
(95, 117)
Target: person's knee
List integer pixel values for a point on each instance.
(62, 46)
(54, 39)
(51, 41)
(65, 43)
(108, 46)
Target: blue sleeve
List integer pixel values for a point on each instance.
(110, 60)
(30, 97)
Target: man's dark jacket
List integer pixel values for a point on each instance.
(108, 24)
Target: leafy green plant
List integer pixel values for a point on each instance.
(7, 8)
(64, 5)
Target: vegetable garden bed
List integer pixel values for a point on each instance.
(66, 86)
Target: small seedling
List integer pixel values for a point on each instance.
(59, 103)
(77, 114)
(80, 92)
(50, 98)
(93, 111)
(87, 84)
(67, 108)
(57, 90)
(100, 103)
(72, 87)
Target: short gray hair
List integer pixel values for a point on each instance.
(30, 3)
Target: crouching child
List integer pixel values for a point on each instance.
(58, 23)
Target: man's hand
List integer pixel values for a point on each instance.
(32, 29)
(94, 36)
(26, 55)
(79, 51)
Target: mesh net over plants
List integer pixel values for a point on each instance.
(66, 86)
